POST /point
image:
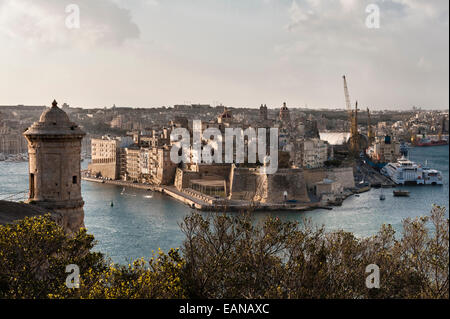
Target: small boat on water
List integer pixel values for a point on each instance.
(401, 193)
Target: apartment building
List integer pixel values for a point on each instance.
(105, 154)
(315, 153)
(385, 150)
(156, 166)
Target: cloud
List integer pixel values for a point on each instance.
(298, 15)
(35, 23)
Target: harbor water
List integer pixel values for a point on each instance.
(141, 221)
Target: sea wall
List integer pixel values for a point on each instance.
(243, 183)
(183, 178)
(250, 184)
(343, 175)
(108, 170)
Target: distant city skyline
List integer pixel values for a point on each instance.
(150, 53)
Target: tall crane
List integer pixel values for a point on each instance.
(347, 102)
(369, 128)
(352, 119)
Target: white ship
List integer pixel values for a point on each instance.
(405, 171)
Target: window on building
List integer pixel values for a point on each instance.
(32, 182)
(74, 179)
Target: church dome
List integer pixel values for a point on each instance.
(54, 115)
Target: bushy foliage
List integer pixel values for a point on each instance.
(34, 254)
(228, 256)
(158, 278)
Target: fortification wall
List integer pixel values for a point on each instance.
(250, 184)
(182, 178)
(243, 183)
(313, 176)
(108, 170)
(271, 187)
(215, 169)
(343, 175)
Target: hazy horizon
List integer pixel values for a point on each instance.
(153, 53)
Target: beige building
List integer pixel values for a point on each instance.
(156, 166)
(54, 148)
(105, 154)
(133, 170)
(11, 141)
(315, 153)
(385, 150)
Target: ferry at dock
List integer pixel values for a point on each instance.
(405, 171)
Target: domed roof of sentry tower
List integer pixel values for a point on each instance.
(54, 115)
(54, 121)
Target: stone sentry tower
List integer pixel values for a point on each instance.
(54, 149)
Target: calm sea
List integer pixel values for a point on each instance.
(142, 221)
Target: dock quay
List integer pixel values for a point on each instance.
(374, 178)
(123, 183)
(199, 201)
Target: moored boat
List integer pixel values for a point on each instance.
(405, 171)
(401, 193)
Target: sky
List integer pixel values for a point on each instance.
(241, 53)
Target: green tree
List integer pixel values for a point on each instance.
(229, 256)
(158, 278)
(34, 254)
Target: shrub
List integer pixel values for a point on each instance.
(228, 256)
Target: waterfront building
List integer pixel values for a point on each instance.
(156, 166)
(106, 155)
(133, 171)
(54, 149)
(11, 141)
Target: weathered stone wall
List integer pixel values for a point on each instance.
(221, 170)
(182, 178)
(271, 187)
(243, 183)
(250, 184)
(313, 176)
(109, 170)
(343, 175)
(166, 175)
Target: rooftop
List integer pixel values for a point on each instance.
(54, 121)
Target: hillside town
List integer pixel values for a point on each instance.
(324, 155)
